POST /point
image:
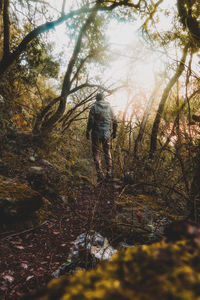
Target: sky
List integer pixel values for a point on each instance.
(140, 68)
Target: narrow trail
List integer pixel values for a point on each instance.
(29, 257)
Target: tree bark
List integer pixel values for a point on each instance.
(6, 29)
(47, 125)
(165, 95)
(188, 20)
(1, 5)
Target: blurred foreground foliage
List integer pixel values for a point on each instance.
(158, 271)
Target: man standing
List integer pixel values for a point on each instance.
(100, 121)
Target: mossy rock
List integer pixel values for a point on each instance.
(158, 271)
(12, 164)
(140, 218)
(41, 175)
(17, 199)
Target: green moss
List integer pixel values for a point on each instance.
(14, 165)
(16, 191)
(17, 199)
(158, 271)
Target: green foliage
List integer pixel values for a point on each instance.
(70, 153)
(40, 61)
(17, 199)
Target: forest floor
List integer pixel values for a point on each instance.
(29, 257)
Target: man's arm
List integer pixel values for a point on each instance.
(90, 122)
(114, 123)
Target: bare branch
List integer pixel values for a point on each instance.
(67, 82)
(70, 111)
(79, 68)
(63, 7)
(164, 97)
(46, 3)
(43, 113)
(123, 3)
(152, 13)
(176, 119)
(89, 85)
(75, 118)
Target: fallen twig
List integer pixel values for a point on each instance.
(138, 227)
(6, 232)
(161, 185)
(25, 231)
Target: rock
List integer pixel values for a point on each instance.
(14, 165)
(46, 163)
(136, 218)
(151, 272)
(37, 178)
(36, 170)
(32, 158)
(87, 250)
(17, 199)
(95, 243)
(44, 178)
(40, 174)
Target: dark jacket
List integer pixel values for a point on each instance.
(101, 120)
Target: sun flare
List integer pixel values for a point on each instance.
(134, 64)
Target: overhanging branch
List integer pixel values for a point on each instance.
(8, 61)
(67, 82)
(89, 85)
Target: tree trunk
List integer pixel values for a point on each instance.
(189, 20)
(6, 29)
(144, 121)
(165, 95)
(49, 123)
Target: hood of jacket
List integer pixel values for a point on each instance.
(102, 104)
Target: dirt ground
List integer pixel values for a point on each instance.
(29, 257)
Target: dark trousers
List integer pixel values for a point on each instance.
(97, 145)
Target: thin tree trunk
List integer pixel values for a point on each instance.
(176, 119)
(144, 121)
(1, 5)
(188, 74)
(165, 95)
(47, 125)
(179, 142)
(6, 29)
(63, 7)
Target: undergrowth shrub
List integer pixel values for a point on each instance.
(159, 271)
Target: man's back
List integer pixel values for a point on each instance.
(102, 119)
